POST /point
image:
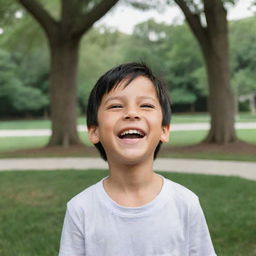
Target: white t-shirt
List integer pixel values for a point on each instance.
(173, 224)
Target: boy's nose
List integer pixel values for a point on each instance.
(132, 114)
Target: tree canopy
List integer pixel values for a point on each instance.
(170, 50)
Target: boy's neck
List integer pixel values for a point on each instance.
(133, 185)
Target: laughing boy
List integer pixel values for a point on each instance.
(133, 211)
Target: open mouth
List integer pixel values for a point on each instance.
(131, 134)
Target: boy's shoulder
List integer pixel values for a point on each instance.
(180, 189)
(85, 197)
(180, 194)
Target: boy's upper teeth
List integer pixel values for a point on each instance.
(132, 131)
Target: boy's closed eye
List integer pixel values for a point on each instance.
(114, 106)
(147, 105)
(144, 105)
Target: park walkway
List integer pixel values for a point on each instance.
(210, 167)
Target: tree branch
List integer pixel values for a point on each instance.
(95, 14)
(193, 21)
(47, 22)
(215, 15)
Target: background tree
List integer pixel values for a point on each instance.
(208, 22)
(63, 35)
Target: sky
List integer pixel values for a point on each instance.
(124, 18)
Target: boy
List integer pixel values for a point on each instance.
(133, 211)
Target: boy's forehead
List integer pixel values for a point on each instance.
(127, 81)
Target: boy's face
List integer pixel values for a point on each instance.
(130, 122)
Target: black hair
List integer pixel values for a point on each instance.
(111, 79)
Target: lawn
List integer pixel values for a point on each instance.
(30, 124)
(182, 138)
(33, 204)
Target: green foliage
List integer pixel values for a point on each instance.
(28, 99)
(7, 10)
(184, 64)
(15, 96)
(23, 35)
(101, 49)
(23, 68)
(243, 55)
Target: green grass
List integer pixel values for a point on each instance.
(31, 124)
(17, 143)
(182, 138)
(25, 124)
(205, 118)
(246, 117)
(247, 135)
(33, 204)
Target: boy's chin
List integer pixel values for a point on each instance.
(134, 157)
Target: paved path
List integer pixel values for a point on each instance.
(82, 128)
(227, 168)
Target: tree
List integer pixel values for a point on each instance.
(212, 36)
(64, 35)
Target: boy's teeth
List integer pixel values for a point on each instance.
(131, 132)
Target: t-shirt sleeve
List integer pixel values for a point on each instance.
(200, 243)
(72, 237)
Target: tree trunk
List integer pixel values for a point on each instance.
(213, 40)
(221, 103)
(64, 60)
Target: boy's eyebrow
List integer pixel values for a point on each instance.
(148, 98)
(113, 98)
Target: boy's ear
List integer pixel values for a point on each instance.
(165, 133)
(93, 134)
